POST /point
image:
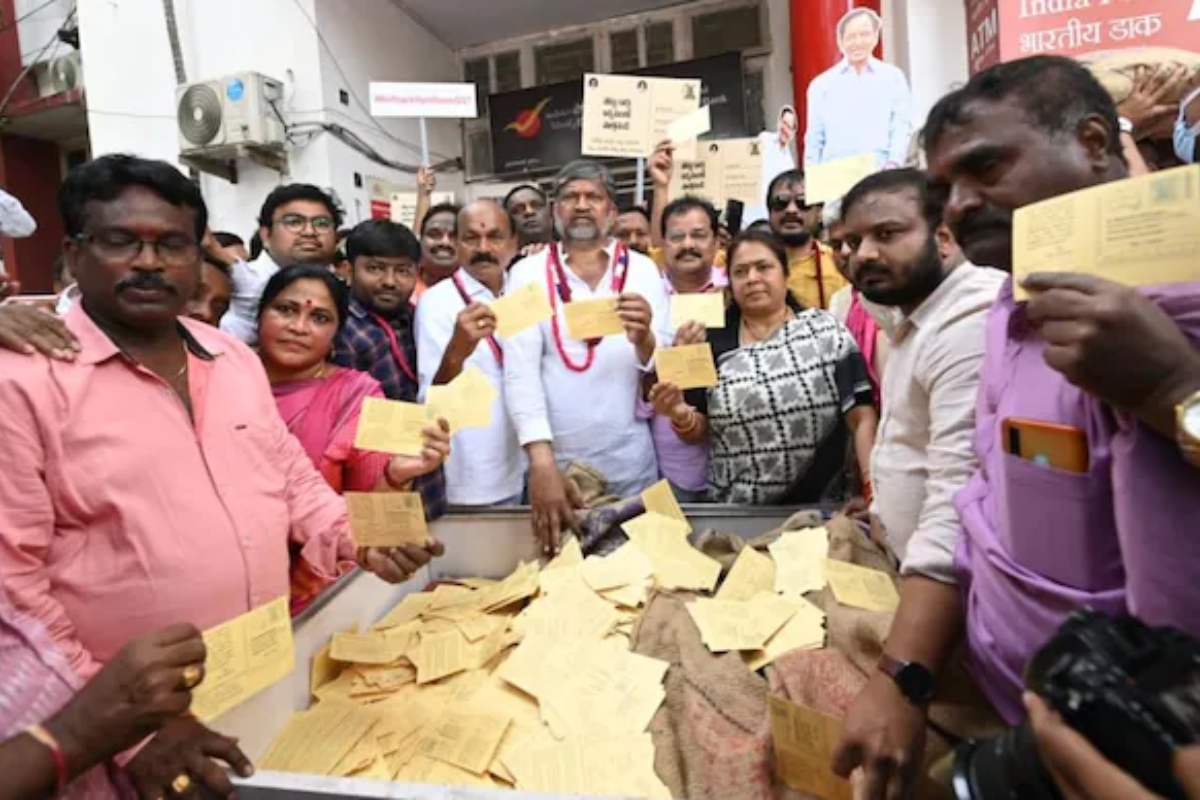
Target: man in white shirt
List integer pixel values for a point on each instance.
(861, 104)
(903, 256)
(572, 400)
(778, 157)
(456, 330)
(298, 225)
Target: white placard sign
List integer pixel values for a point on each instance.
(428, 100)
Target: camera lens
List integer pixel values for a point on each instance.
(1004, 768)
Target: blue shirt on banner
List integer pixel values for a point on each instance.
(851, 113)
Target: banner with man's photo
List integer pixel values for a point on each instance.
(540, 129)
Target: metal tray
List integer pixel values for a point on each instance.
(482, 543)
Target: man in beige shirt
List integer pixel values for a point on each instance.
(901, 256)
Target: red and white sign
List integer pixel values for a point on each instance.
(1079, 27)
(983, 34)
(430, 100)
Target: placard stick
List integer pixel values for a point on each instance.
(639, 192)
(424, 144)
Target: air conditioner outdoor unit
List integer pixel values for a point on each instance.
(59, 75)
(225, 114)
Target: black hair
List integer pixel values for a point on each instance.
(784, 179)
(759, 225)
(689, 202)
(307, 272)
(291, 192)
(442, 208)
(524, 187)
(256, 245)
(105, 178)
(384, 239)
(221, 267)
(1056, 94)
(777, 248)
(933, 203)
(633, 208)
(227, 239)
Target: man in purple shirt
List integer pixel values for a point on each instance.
(1112, 362)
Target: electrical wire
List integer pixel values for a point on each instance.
(26, 15)
(350, 88)
(8, 95)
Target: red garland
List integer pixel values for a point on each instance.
(554, 269)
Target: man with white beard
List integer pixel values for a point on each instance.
(573, 400)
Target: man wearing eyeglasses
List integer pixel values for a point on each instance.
(813, 275)
(298, 225)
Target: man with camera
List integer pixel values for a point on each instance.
(1114, 368)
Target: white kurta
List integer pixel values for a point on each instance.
(485, 465)
(589, 416)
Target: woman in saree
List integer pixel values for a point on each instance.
(792, 390)
(302, 309)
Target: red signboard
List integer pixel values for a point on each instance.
(983, 33)
(1082, 27)
(381, 209)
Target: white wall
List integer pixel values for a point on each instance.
(40, 21)
(930, 46)
(378, 42)
(130, 82)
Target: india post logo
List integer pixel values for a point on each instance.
(528, 123)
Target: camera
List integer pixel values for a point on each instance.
(1133, 691)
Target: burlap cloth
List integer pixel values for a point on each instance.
(712, 733)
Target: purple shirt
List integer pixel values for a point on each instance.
(683, 464)
(1038, 542)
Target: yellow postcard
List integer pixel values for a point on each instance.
(688, 366)
(468, 741)
(699, 176)
(628, 566)
(804, 741)
(386, 519)
(316, 741)
(707, 308)
(685, 130)
(659, 499)
(520, 309)
(245, 655)
(742, 171)
(800, 561)
(626, 116)
(831, 180)
(593, 319)
(391, 426)
(726, 625)
(377, 647)
(804, 631)
(1138, 232)
(466, 401)
(751, 574)
(861, 587)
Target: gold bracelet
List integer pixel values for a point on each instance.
(693, 422)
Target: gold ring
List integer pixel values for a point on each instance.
(192, 675)
(181, 784)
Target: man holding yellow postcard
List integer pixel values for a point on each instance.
(457, 331)
(1100, 513)
(571, 390)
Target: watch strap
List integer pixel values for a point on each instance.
(915, 681)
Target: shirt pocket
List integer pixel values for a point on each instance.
(256, 449)
(1061, 525)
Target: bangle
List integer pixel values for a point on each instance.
(690, 425)
(61, 778)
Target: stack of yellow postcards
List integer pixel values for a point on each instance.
(529, 682)
(524, 683)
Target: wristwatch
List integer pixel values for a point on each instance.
(1125, 125)
(1187, 428)
(914, 681)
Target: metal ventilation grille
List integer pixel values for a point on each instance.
(200, 114)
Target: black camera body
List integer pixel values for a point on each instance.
(1131, 690)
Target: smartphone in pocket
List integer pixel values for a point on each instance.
(1046, 444)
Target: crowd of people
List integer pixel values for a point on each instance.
(176, 440)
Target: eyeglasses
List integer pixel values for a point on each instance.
(698, 236)
(122, 247)
(780, 202)
(295, 223)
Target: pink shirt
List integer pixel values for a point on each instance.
(120, 516)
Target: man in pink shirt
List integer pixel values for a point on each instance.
(150, 479)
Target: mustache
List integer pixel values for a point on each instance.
(986, 220)
(690, 252)
(484, 258)
(145, 281)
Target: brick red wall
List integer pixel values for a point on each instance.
(30, 169)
